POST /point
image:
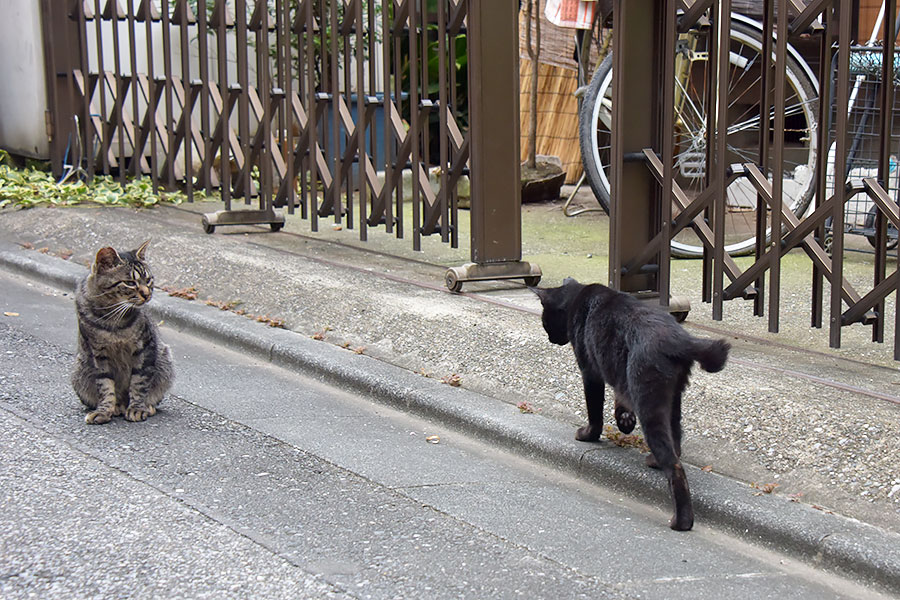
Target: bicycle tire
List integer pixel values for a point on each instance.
(594, 136)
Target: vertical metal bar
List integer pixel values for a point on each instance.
(148, 17)
(840, 169)
(221, 25)
(286, 83)
(283, 75)
(399, 99)
(101, 88)
(205, 83)
(454, 197)
(136, 149)
(710, 96)
(443, 115)
(824, 116)
(187, 106)
(335, 90)
(345, 68)
(241, 49)
(387, 108)
(884, 158)
(298, 26)
(313, 113)
(778, 169)
(765, 109)
(87, 126)
(170, 115)
(361, 121)
(720, 206)
(347, 95)
(372, 83)
(414, 125)
(667, 145)
(116, 16)
(424, 84)
(264, 81)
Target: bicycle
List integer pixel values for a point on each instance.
(745, 57)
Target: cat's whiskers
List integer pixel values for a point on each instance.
(116, 311)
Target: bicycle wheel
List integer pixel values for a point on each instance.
(800, 136)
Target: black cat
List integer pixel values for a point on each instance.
(646, 356)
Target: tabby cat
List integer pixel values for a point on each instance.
(122, 367)
(645, 356)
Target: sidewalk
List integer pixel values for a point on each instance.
(819, 423)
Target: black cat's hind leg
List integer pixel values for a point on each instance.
(594, 389)
(680, 384)
(624, 413)
(658, 433)
(675, 419)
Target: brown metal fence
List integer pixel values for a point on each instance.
(648, 162)
(320, 106)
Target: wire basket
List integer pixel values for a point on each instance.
(864, 127)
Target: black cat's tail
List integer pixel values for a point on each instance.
(711, 354)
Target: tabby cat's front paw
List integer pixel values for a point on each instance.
(97, 417)
(136, 414)
(589, 433)
(625, 419)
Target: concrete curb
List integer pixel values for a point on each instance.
(847, 546)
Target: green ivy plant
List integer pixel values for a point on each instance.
(32, 186)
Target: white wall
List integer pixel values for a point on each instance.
(23, 91)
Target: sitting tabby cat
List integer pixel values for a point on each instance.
(122, 367)
(645, 356)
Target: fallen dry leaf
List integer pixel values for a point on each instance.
(187, 293)
(44, 250)
(706, 469)
(65, 254)
(11, 314)
(526, 407)
(318, 336)
(625, 441)
(433, 439)
(27, 245)
(765, 488)
(452, 380)
(359, 349)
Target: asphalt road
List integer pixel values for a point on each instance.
(256, 482)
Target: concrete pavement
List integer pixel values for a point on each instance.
(430, 329)
(260, 481)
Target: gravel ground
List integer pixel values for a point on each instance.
(823, 444)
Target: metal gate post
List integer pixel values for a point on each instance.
(61, 55)
(636, 209)
(496, 213)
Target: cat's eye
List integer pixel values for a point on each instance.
(129, 284)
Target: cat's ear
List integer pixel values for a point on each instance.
(141, 252)
(106, 259)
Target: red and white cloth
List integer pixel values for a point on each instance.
(571, 13)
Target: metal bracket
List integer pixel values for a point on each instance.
(456, 276)
(273, 218)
